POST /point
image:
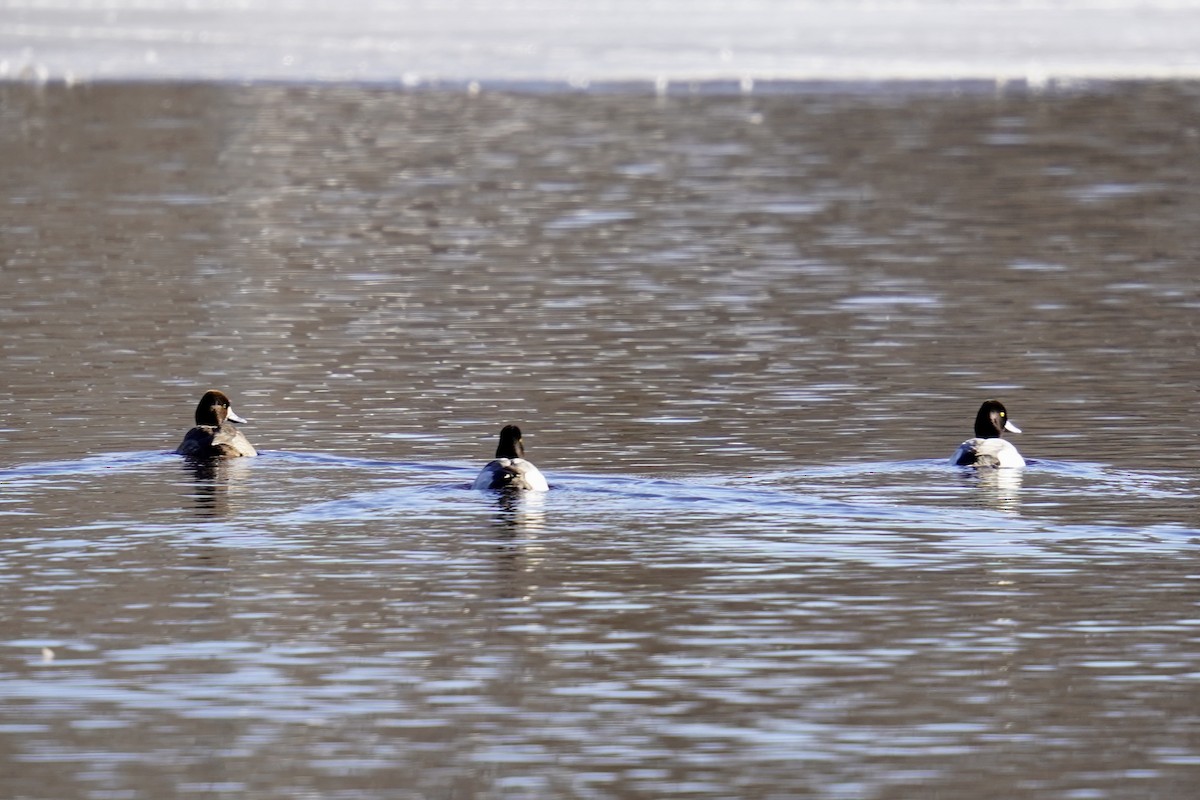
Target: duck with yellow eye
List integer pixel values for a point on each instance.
(988, 448)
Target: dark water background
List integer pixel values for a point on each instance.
(742, 334)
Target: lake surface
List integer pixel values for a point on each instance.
(743, 334)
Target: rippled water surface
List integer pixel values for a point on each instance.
(742, 333)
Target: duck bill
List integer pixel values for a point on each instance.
(1008, 426)
(232, 417)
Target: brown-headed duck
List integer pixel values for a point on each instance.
(214, 434)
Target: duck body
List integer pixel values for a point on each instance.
(214, 434)
(511, 473)
(994, 452)
(988, 448)
(510, 470)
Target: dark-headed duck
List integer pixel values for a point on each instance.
(988, 449)
(214, 434)
(510, 470)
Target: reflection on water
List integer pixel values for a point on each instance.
(218, 481)
(999, 488)
(521, 511)
(743, 332)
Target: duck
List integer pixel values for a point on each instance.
(214, 434)
(510, 470)
(988, 449)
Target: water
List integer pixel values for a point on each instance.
(742, 332)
